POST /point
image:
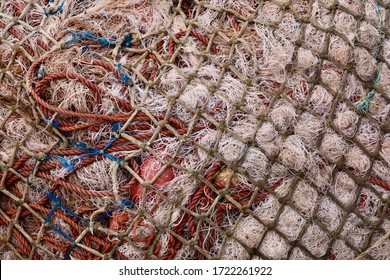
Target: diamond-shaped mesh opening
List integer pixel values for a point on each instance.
(194, 129)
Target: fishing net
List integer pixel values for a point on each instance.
(186, 129)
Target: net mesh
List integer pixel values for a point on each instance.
(186, 129)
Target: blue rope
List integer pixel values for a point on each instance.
(41, 73)
(59, 231)
(67, 237)
(58, 203)
(117, 126)
(90, 36)
(124, 77)
(63, 234)
(53, 209)
(127, 40)
(69, 164)
(95, 152)
(84, 49)
(127, 203)
(50, 10)
(105, 215)
(56, 200)
(55, 123)
(74, 214)
(124, 204)
(67, 255)
(66, 163)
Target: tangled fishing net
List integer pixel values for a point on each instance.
(186, 129)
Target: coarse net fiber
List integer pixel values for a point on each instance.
(186, 129)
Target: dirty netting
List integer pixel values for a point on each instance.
(219, 129)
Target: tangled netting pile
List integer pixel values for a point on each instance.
(221, 129)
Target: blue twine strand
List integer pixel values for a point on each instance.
(51, 10)
(117, 126)
(90, 36)
(95, 152)
(41, 73)
(67, 255)
(127, 40)
(124, 77)
(127, 203)
(67, 237)
(55, 123)
(364, 103)
(74, 214)
(53, 198)
(66, 163)
(124, 204)
(69, 164)
(63, 234)
(53, 209)
(58, 203)
(84, 49)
